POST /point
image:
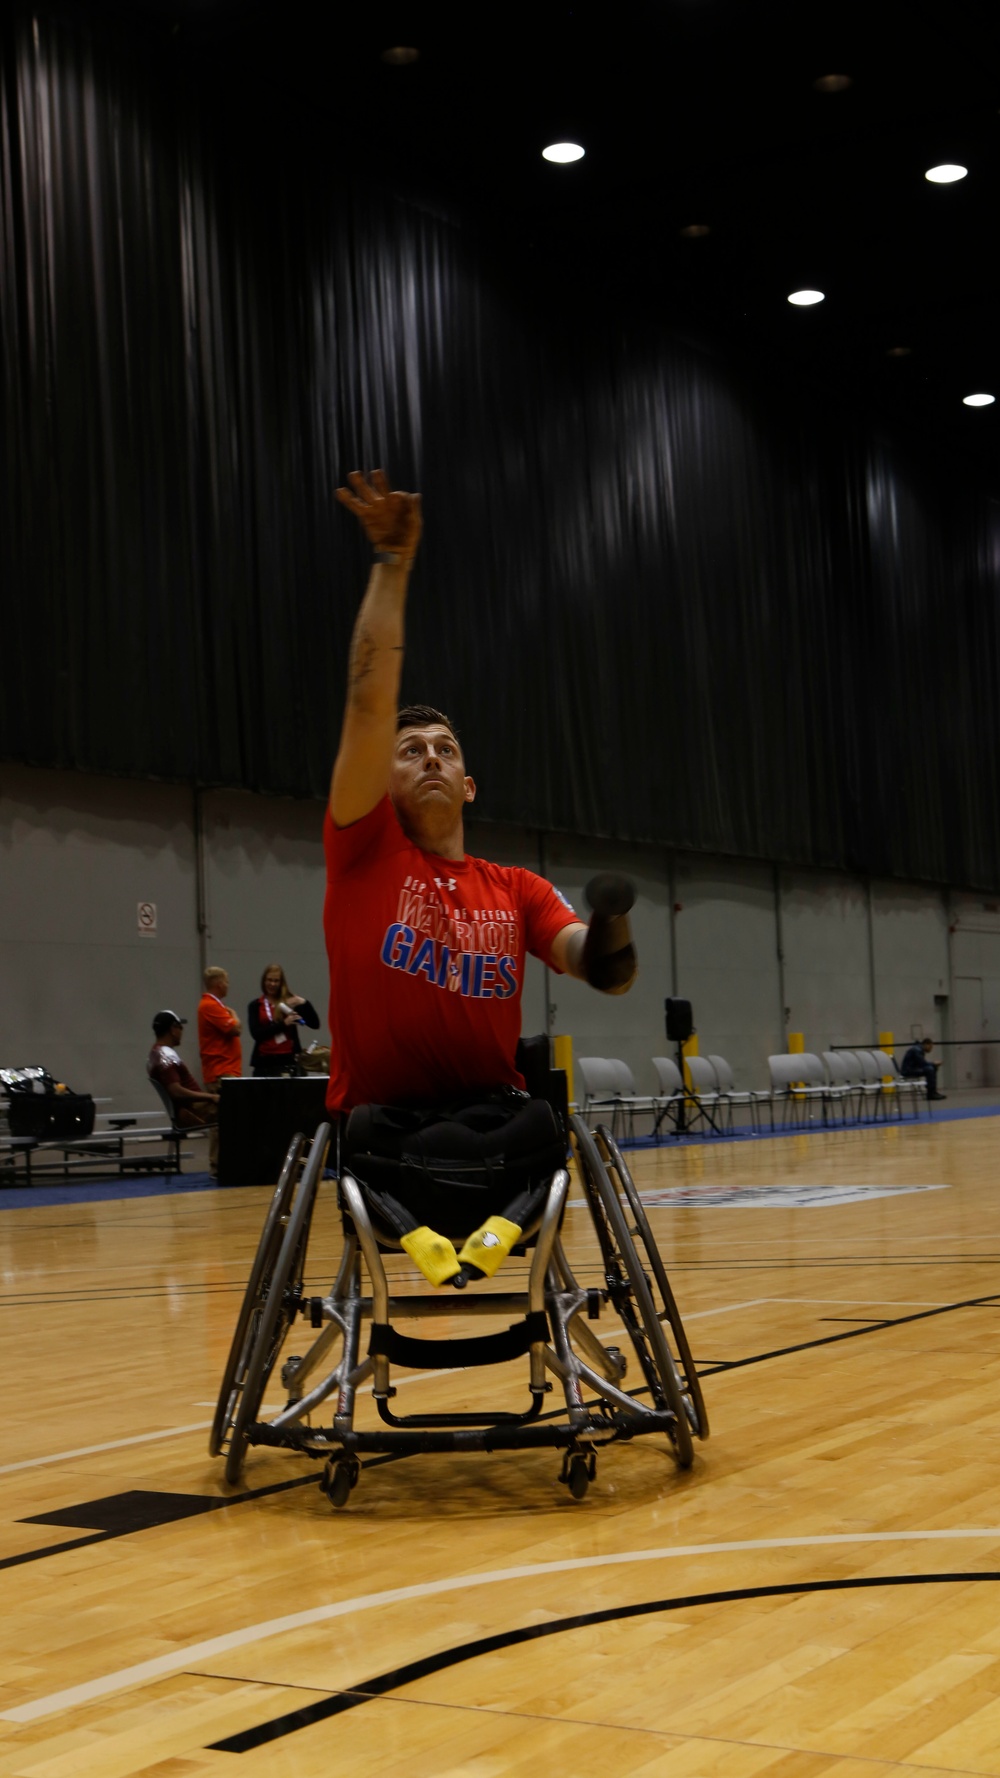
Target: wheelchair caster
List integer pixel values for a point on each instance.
(339, 1478)
(288, 1371)
(618, 1359)
(578, 1471)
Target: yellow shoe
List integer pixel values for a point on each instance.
(433, 1253)
(489, 1246)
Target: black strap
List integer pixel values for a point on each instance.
(494, 1348)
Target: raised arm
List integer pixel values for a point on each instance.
(602, 953)
(391, 521)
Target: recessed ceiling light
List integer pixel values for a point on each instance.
(978, 400)
(899, 351)
(563, 152)
(399, 56)
(695, 230)
(946, 174)
(832, 83)
(804, 299)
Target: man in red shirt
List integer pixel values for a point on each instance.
(426, 944)
(218, 1029)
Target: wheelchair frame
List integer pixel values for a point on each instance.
(553, 1332)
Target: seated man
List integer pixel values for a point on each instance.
(427, 945)
(193, 1107)
(917, 1064)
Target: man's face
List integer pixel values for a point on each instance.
(221, 986)
(173, 1036)
(427, 779)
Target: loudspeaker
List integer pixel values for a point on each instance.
(680, 1020)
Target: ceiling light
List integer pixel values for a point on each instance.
(695, 231)
(946, 174)
(399, 56)
(899, 351)
(832, 83)
(563, 152)
(804, 299)
(978, 400)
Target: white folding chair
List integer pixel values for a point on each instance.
(733, 1095)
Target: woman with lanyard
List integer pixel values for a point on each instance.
(274, 1020)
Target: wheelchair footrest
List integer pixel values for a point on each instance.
(496, 1348)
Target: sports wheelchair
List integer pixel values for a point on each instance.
(554, 1328)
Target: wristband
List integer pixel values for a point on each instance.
(388, 558)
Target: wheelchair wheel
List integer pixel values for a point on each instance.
(254, 1298)
(666, 1307)
(277, 1313)
(629, 1293)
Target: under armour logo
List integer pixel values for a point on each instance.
(446, 883)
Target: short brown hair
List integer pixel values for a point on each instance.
(424, 716)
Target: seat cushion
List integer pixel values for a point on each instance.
(454, 1166)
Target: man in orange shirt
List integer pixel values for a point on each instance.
(218, 1030)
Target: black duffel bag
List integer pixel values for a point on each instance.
(51, 1116)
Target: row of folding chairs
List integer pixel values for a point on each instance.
(854, 1086)
(609, 1088)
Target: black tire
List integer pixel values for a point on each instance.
(254, 1298)
(630, 1294)
(578, 1479)
(277, 1313)
(615, 1163)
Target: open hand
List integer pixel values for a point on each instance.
(390, 519)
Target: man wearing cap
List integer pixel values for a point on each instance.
(194, 1108)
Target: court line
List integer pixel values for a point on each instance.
(385, 1684)
(161, 1665)
(115, 1444)
(147, 1438)
(418, 1377)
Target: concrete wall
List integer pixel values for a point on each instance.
(975, 970)
(758, 952)
(80, 985)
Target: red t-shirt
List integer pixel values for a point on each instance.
(218, 1040)
(426, 964)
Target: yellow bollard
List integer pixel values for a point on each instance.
(885, 1043)
(689, 1048)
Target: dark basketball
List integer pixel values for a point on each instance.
(610, 894)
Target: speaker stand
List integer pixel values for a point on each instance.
(685, 1111)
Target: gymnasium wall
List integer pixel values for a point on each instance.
(80, 982)
(670, 599)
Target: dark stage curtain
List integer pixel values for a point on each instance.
(664, 599)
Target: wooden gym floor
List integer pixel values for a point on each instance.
(820, 1595)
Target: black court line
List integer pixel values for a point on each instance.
(717, 1368)
(338, 1702)
(856, 1333)
(137, 1511)
(121, 1515)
